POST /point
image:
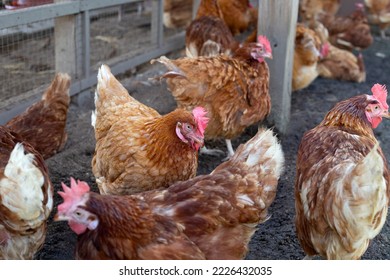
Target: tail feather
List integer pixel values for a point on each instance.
(22, 183)
(59, 87)
(384, 18)
(260, 160)
(210, 48)
(362, 68)
(93, 119)
(109, 88)
(261, 157)
(174, 71)
(366, 208)
(370, 169)
(263, 149)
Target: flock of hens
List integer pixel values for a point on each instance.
(152, 205)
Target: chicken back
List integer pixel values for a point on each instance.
(342, 180)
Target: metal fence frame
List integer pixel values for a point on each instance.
(79, 11)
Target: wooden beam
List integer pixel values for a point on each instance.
(277, 20)
(157, 28)
(65, 47)
(68, 44)
(195, 6)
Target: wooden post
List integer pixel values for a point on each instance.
(121, 12)
(157, 30)
(277, 20)
(195, 6)
(68, 44)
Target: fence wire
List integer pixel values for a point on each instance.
(114, 35)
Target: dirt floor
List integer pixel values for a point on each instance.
(275, 239)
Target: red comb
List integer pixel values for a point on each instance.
(201, 119)
(325, 49)
(71, 194)
(380, 93)
(359, 6)
(265, 42)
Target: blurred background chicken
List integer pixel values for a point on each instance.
(239, 15)
(342, 179)
(378, 13)
(338, 63)
(43, 124)
(342, 65)
(137, 149)
(26, 197)
(314, 9)
(177, 13)
(208, 217)
(208, 35)
(347, 32)
(234, 90)
(308, 50)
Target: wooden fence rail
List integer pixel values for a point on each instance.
(72, 49)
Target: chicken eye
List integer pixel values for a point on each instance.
(188, 127)
(78, 214)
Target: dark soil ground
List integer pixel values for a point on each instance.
(275, 239)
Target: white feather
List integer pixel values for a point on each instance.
(20, 189)
(93, 118)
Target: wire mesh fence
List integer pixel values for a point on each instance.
(26, 58)
(75, 36)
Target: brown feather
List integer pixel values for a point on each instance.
(208, 217)
(24, 236)
(233, 90)
(329, 220)
(137, 149)
(43, 123)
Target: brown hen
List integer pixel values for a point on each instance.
(349, 32)
(310, 10)
(208, 35)
(234, 90)
(137, 149)
(342, 180)
(338, 64)
(308, 51)
(238, 15)
(177, 13)
(378, 13)
(207, 217)
(43, 123)
(26, 197)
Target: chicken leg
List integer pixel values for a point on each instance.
(216, 152)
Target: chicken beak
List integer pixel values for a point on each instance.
(197, 141)
(386, 114)
(268, 55)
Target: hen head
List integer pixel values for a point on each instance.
(325, 48)
(254, 51)
(261, 49)
(311, 44)
(72, 209)
(360, 112)
(377, 108)
(193, 133)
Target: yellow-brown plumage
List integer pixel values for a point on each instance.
(307, 52)
(233, 90)
(137, 149)
(26, 197)
(342, 183)
(43, 123)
